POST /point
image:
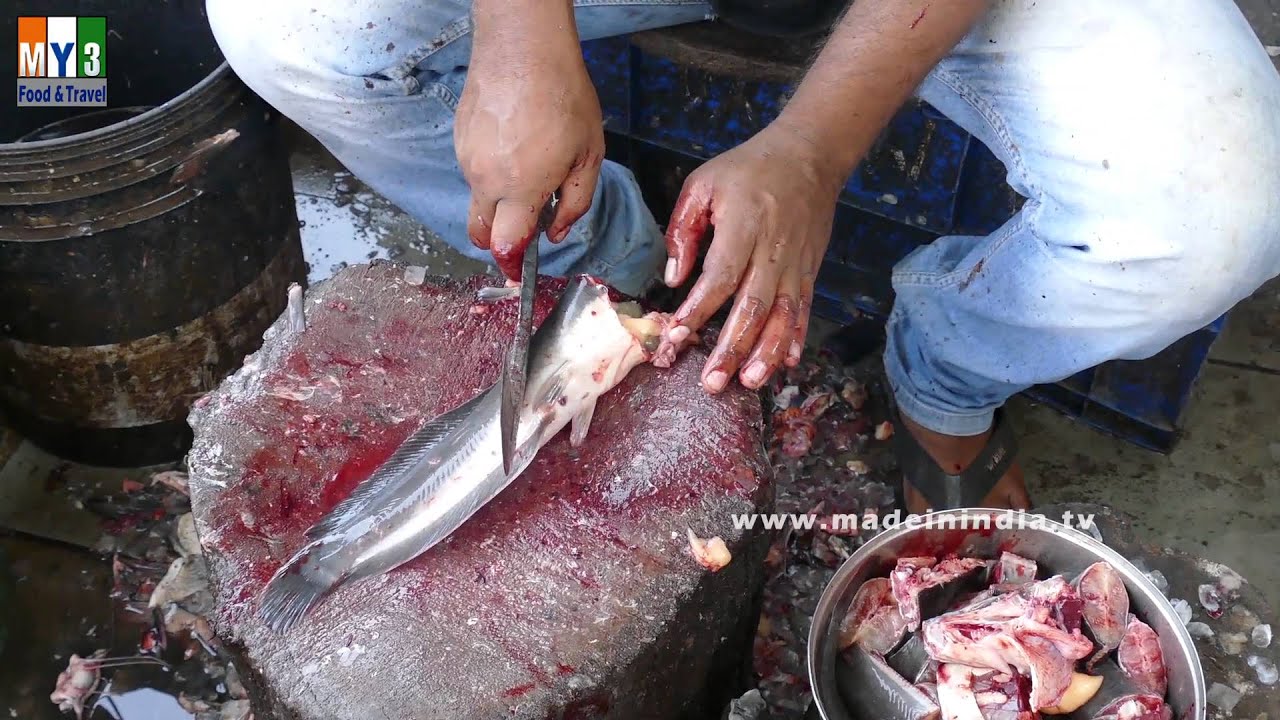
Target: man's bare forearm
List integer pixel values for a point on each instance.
(516, 32)
(877, 55)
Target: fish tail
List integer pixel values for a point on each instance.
(294, 590)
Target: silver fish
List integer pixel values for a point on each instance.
(452, 466)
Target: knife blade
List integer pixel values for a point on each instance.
(515, 369)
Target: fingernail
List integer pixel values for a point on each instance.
(796, 350)
(678, 334)
(755, 372)
(716, 381)
(670, 275)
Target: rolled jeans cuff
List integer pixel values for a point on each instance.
(959, 423)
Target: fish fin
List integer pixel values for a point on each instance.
(551, 393)
(390, 472)
(293, 591)
(529, 449)
(581, 422)
(555, 386)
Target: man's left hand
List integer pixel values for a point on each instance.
(771, 201)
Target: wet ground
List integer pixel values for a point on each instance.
(1217, 495)
(109, 574)
(343, 222)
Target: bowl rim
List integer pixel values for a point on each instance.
(824, 612)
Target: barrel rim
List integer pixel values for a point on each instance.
(195, 90)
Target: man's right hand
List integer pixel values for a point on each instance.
(528, 125)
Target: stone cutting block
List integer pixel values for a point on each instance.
(572, 595)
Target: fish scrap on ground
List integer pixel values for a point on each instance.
(827, 462)
(161, 593)
(83, 676)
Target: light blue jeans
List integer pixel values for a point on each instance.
(1144, 133)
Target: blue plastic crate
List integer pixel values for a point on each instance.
(925, 177)
(912, 174)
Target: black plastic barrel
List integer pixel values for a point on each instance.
(144, 247)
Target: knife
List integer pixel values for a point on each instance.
(515, 370)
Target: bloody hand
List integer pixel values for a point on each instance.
(528, 125)
(771, 202)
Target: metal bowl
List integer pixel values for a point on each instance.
(982, 532)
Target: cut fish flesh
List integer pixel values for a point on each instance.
(1106, 607)
(913, 576)
(1136, 707)
(1141, 659)
(1013, 569)
(1025, 632)
(873, 620)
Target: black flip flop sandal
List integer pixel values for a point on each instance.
(968, 488)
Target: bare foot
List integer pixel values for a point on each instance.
(953, 454)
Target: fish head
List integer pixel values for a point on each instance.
(596, 339)
(584, 349)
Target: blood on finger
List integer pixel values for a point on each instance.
(801, 328)
(747, 316)
(736, 339)
(774, 342)
(689, 221)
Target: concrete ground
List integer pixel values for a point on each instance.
(1218, 493)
